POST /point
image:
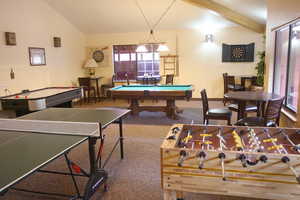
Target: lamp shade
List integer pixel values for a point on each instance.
(141, 49)
(90, 63)
(162, 47)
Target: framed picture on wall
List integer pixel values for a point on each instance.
(238, 53)
(37, 56)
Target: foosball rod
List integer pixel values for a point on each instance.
(295, 146)
(279, 150)
(222, 155)
(285, 159)
(202, 154)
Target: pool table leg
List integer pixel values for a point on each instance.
(134, 106)
(171, 109)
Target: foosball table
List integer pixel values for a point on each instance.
(229, 160)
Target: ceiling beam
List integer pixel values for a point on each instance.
(229, 14)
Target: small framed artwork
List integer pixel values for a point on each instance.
(37, 56)
(10, 38)
(57, 41)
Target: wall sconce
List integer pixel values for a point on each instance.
(209, 38)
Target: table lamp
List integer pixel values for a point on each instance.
(91, 65)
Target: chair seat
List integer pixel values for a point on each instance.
(249, 108)
(255, 121)
(235, 87)
(219, 112)
(87, 88)
(251, 121)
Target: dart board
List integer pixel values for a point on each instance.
(238, 53)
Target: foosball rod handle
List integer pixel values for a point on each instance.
(222, 156)
(202, 156)
(182, 154)
(286, 160)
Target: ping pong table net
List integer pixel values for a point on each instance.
(87, 129)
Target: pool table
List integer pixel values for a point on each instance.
(29, 101)
(170, 93)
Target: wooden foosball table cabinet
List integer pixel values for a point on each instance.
(252, 162)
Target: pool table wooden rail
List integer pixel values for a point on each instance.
(134, 95)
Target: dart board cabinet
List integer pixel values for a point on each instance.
(254, 162)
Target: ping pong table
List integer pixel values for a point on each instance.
(32, 141)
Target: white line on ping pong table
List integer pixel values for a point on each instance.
(51, 127)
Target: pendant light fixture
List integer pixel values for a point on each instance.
(152, 42)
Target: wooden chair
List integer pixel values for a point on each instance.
(127, 79)
(216, 113)
(229, 85)
(169, 79)
(85, 84)
(271, 115)
(105, 87)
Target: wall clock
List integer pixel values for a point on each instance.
(98, 55)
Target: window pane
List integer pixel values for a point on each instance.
(125, 62)
(116, 57)
(156, 56)
(282, 44)
(294, 69)
(148, 64)
(124, 57)
(133, 56)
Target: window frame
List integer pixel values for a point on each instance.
(287, 72)
(151, 50)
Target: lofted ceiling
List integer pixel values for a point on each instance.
(116, 16)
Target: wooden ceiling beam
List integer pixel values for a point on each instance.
(229, 14)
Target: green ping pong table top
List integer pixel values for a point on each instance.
(23, 153)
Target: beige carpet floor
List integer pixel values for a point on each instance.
(137, 176)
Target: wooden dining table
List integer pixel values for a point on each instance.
(242, 97)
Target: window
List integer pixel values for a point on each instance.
(135, 65)
(287, 65)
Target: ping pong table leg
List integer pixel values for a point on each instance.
(98, 176)
(121, 137)
(92, 153)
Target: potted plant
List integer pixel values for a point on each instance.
(260, 71)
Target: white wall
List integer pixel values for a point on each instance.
(35, 24)
(200, 63)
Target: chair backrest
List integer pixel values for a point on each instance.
(113, 80)
(228, 80)
(84, 82)
(273, 110)
(127, 79)
(253, 80)
(204, 101)
(225, 82)
(169, 79)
